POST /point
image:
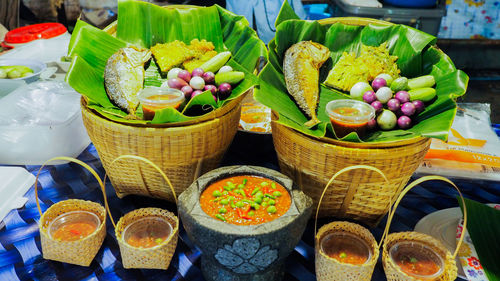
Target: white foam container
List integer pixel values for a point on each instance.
(15, 182)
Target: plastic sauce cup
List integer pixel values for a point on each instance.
(147, 232)
(417, 260)
(349, 116)
(74, 225)
(156, 98)
(346, 248)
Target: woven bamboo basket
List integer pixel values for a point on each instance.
(184, 153)
(329, 269)
(158, 257)
(392, 271)
(183, 150)
(358, 194)
(79, 252)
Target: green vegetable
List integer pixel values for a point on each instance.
(426, 81)
(217, 193)
(251, 213)
(258, 200)
(272, 202)
(399, 84)
(343, 255)
(266, 198)
(255, 206)
(220, 217)
(273, 185)
(264, 183)
(276, 194)
(224, 201)
(222, 210)
(245, 181)
(3, 73)
(240, 204)
(259, 194)
(387, 119)
(271, 209)
(233, 77)
(241, 185)
(255, 190)
(264, 204)
(158, 240)
(423, 94)
(215, 63)
(270, 196)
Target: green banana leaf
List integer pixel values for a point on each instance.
(143, 24)
(417, 55)
(483, 224)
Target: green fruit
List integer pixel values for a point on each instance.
(215, 63)
(399, 84)
(232, 77)
(3, 73)
(14, 73)
(423, 94)
(425, 81)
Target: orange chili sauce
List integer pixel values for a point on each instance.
(74, 231)
(345, 250)
(150, 109)
(145, 240)
(420, 265)
(236, 200)
(254, 117)
(342, 129)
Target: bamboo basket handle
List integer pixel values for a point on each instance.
(354, 167)
(410, 186)
(84, 165)
(127, 156)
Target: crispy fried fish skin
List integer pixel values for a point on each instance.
(301, 69)
(124, 77)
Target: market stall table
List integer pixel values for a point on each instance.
(20, 250)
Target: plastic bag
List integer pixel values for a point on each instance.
(472, 150)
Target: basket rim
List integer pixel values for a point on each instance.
(44, 230)
(353, 145)
(171, 239)
(232, 105)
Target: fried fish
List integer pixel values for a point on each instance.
(301, 69)
(124, 77)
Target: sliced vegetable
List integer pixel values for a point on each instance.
(215, 63)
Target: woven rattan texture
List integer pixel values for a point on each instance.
(359, 194)
(183, 153)
(329, 269)
(154, 258)
(80, 252)
(393, 273)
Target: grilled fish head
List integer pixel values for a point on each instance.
(124, 77)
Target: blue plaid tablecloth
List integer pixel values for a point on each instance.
(20, 249)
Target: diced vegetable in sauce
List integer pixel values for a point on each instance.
(245, 200)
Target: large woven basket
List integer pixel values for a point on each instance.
(154, 258)
(183, 153)
(358, 194)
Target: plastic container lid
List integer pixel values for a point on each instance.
(15, 183)
(29, 33)
(150, 231)
(366, 111)
(71, 218)
(416, 252)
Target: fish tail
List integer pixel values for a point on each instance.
(313, 122)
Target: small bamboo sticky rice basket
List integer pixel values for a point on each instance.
(158, 257)
(358, 194)
(330, 269)
(79, 252)
(153, 258)
(392, 271)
